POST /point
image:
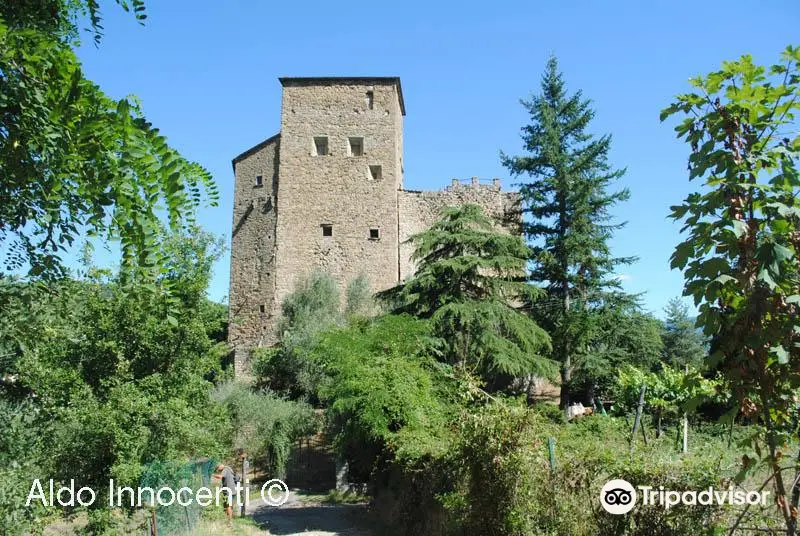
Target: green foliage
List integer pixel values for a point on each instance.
(74, 162)
(264, 425)
(668, 391)
(683, 345)
(469, 284)
(22, 446)
(384, 390)
(620, 335)
(311, 309)
(117, 375)
(567, 200)
(740, 258)
(359, 299)
(509, 488)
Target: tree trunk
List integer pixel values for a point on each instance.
(638, 418)
(566, 377)
(658, 424)
(566, 365)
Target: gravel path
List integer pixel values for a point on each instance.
(299, 516)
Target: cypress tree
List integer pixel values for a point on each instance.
(565, 181)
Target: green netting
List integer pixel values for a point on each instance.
(177, 519)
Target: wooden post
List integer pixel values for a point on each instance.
(154, 523)
(644, 433)
(245, 482)
(638, 417)
(685, 448)
(686, 425)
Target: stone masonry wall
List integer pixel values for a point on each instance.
(337, 189)
(419, 210)
(252, 284)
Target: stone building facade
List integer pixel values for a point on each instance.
(326, 194)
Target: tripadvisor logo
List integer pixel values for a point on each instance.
(619, 497)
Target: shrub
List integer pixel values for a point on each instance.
(510, 489)
(384, 392)
(265, 426)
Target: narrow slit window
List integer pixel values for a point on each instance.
(374, 234)
(356, 146)
(262, 308)
(321, 145)
(370, 100)
(327, 229)
(375, 173)
(259, 180)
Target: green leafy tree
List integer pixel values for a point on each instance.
(387, 397)
(683, 345)
(567, 203)
(119, 376)
(741, 259)
(469, 282)
(75, 163)
(668, 391)
(311, 309)
(621, 335)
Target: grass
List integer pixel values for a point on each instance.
(241, 526)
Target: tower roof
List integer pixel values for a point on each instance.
(365, 80)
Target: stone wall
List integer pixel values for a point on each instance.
(337, 189)
(252, 284)
(419, 210)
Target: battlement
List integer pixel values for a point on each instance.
(475, 182)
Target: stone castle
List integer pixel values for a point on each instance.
(326, 193)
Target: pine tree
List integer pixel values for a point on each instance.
(566, 202)
(470, 282)
(683, 344)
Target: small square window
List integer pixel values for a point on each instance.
(374, 234)
(259, 180)
(327, 230)
(356, 146)
(370, 100)
(375, 173)
(321, 145)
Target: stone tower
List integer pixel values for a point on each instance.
(326, 194)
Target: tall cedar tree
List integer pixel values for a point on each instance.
(469, 282)
(566, 203)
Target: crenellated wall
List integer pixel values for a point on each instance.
(419, 210)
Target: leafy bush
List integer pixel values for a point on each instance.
(118, 374)
(384, 391)
(359, 299)
(263, 425)
(313, 308)
(21, 451)
(511, 490)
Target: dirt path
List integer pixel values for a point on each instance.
(301, 516)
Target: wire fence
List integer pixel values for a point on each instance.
(176, 519)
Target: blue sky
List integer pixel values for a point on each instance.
(207, 73)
